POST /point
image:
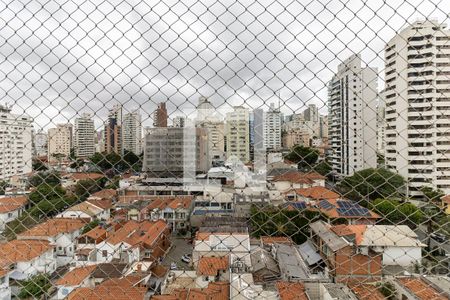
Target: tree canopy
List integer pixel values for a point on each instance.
(372, 184)
(395, 212)
(305, 157)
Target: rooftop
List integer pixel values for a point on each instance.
(76, 276)
(22, 250)
(316, 193)
(366, 291)
(211, 266)
(53, 227)
(85, 176)
(104, 194)
(333, 241)
(133, 232)
(421, 289)
(291, 290)
(339, 291)
(8, 204)
(270, 240)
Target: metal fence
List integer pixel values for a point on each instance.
(224, 149)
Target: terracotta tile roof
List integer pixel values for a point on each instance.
(294, 177)
(357, 230)
(95, 233)
(366, 291)
(219, 290)
(172, 202)
(8, 204)
(316, 193)
(291, 290)
(101, 203)
(203, 236)
(85, 176)
(446, 199)
(86, 208)
(314, 176)
(130, 280)
(76, 276)
(270, 240)
(54, 227)
(109, 292)
(22, 250)
(421, 289)
(133, 233)
(104, 194)
(211, 266)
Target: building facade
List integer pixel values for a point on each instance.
(59, 141)
(238, 134)
(84, 136)
(352, 95)
(40, 143)
(113, 131)
(160, 115)
(15, 144)
(132, 132)
(417, 100)
(272, 128)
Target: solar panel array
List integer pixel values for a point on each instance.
(325, 204)
(348, 208)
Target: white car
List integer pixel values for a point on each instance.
(186, 258)
(173, 266)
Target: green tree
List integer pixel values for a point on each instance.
(35, 287)
(46, 192)
(395, 212)
(432, 195)
(3, 186)
(38, 165)
(323, 168)
(305, 157)
(77, 164)
(45, 177)
(84, 188)
(372, 184)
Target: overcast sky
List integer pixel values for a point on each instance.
(57, 61)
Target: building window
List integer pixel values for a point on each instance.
(104, 253)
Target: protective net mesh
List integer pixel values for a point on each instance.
(224, 149)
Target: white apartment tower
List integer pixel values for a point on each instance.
(15, 144)
(272, 128)
(352, 95)
(417, 100)
(59, 141)
(132, 132)
(238, 134)
(84, 136)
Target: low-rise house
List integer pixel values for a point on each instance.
(367, 291)
(26, 258)
(208, 244)
(344, 260)
(334, 291)
(105, 194)
(135, 241)
(71, 179)
(11, 208)
(91, 209)
(215, 290)
(5, 289)
(264, 268)
(61, 232)
(75, 278)
(339, 210)
(315, 193)
(105, 271)
(86, 243)
(294, 179)
(175, 210)
(413, 288)
(446, 204)
(212, 269)
(119, 289)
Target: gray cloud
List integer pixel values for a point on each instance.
(57, 61)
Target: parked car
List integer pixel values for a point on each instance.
(173, 266)
(439, 237)
(186, 258)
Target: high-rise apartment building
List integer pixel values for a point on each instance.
(84, 136)
(175, 152)
(40, 143)
(15, 144)
(205, 109)
(132, 132)
(179, 121)
(160, 115)
(113, 131)
(352, 95)
(238, 134)
(59, 142)
(417, 100)
(272, 128)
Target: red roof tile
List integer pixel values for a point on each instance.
(291, 290)
(210, 266)
(421, 289)
(316, 193)
(76, 276)
(366, 291)
(270, 240)
(54, 227)
(22, 250)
